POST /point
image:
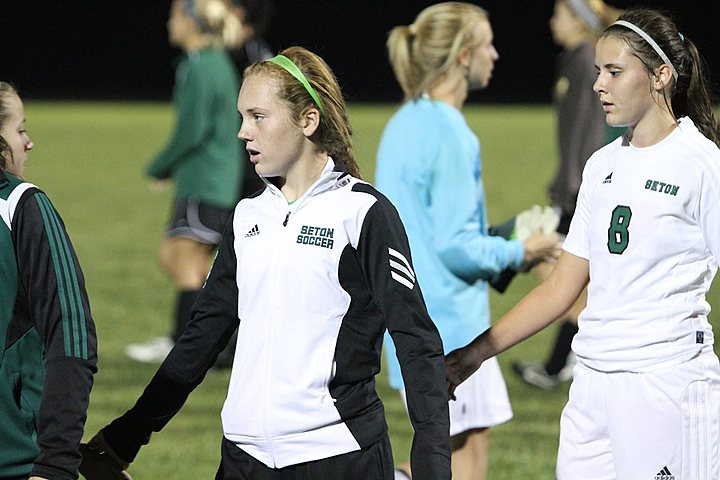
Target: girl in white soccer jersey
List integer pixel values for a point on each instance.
(645, 399)
(311, 271)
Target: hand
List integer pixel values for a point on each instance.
(540, 247)
(100, 462)
(160, 185)
(459, 365)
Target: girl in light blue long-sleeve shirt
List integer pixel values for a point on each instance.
(429, 165)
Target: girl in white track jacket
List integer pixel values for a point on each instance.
(312, 271)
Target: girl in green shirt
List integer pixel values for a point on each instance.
(202, 158)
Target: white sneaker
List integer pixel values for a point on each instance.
(400, 474)
(153, 351)
(535, 374)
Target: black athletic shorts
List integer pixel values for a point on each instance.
(198, 221)
(372, 463)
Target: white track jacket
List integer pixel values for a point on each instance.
(312, 286)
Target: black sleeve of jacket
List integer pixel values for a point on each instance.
(56, 301)
(213, 323)
(419, 348)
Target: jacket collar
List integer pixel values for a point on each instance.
(332, 177)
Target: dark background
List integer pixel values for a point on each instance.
(104, 49)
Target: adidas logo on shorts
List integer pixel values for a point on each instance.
(253, 231)
(664, 474)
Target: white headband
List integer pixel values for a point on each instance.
(583, 10)
(650, 42)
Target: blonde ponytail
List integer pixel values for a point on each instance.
(424, 51)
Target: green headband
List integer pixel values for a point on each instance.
(287, 64)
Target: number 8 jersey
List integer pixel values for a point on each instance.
(648, 222)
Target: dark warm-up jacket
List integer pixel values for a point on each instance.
(313, 285)
(202, 156)
(48, 354)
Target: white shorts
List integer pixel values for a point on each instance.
(663, 425)
(482, 400)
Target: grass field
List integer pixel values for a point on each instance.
(89, 158)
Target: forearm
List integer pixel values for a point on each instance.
(434, 466)
(160, 401)
(536, 311)
(427, 403)
(62, 417)
(532, 314)
(473, 256)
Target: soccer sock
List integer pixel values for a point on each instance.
(183, 311)
(562, 348)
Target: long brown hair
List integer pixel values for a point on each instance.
(334, 134)
(689, 94)
(4, 153)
